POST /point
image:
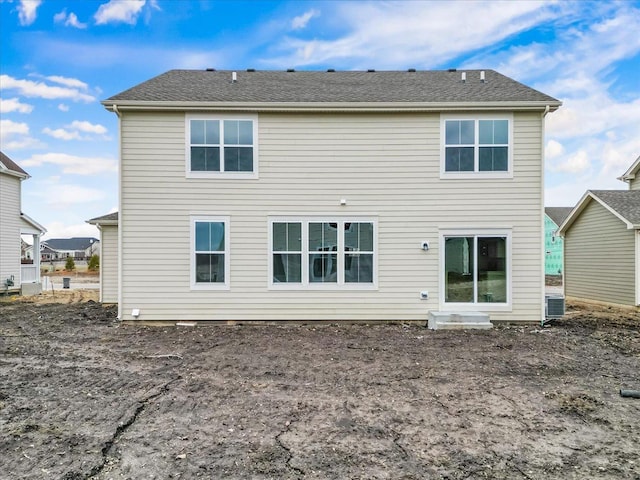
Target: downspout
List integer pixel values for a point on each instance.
(544, 256)
(119, 292)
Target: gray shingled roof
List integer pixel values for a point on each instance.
(315, 86)
(558, 214)
(108, 218)
(625, 202)
(75, 243)
(11, 165)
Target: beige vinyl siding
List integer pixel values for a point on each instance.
(634, 183)
(109, 263)
(386, 166)
(599, 257)
(10, 222)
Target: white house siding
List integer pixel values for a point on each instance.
(599, 257)
(109, 263)
(386, 166)
(9, 229)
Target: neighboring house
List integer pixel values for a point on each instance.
(108, 226)
(554, 216)
(79, 248)
(357, 196)
(13, 223)
(602, 245)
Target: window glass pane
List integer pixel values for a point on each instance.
(245, 132)
(287, 268)
(358, 237)
(231, 132)
(209, 236)
(323, 268)
(238, 159)
(452, 129)
(212, 132)
(485, 130)
(205, 159)
(501, 131)
(209, 268)
(287, 237)
(358, 268)
(459, 159)
(322, 238)
(197, 131)
(492, 270)
(493, 159)
(458, 269)
(467, 135)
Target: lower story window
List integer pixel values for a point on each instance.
(210, 255)
(475, 269)
(322, 251)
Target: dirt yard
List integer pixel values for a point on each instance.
(83, 397)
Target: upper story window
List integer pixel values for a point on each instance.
(476, 146)
(221, 146)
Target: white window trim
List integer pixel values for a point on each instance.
(192, 252)
(227, 175)
(311, 286)
(475, 175)
(476, 306)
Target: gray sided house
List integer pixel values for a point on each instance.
(16, 276)
(601, 248)
(311, 196)
(79, 248)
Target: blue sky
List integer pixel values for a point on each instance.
(59, 58)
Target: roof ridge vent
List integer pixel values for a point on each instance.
(464, 77)
(451, 70)
(371, 70)
(412, 70)
(211, 69)
(331, 70)
(251, 69)
(291, 69)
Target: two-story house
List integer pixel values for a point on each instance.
(330, 196)
(14, 275)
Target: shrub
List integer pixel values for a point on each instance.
(70, 264)
(94, 263)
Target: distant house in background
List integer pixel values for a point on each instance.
(108, 226)
(80, 248)
(553, 218)
(601, 246)
(15, 276)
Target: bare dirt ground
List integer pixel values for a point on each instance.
(83, 397)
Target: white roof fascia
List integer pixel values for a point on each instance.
(4, 169)
(630, 174)
(33, 223)
(582, 204)
(330, 106)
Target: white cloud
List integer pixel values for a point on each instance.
(120, 11)
(553, 150)
(68, 82)
(63, 108)
(61, 134)
(397, 34)
(75, 129)
(14, 105)
(576, 163)
(72, 164)
(301, 21)
(9, 128)
(27, 11)
(30, 88)
(70, 20)
(61, 230)
(88, 127)
(15, 136)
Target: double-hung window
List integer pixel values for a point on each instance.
(476, 267)
(323, 252)
(221, 146)
(209, 252)
(476, 146)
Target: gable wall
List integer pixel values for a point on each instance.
(384, 165)
(599, 257)
(9, 229)
(634, 184)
